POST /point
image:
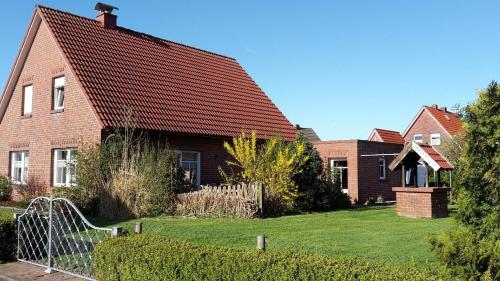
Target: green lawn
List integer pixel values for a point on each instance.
(369, 233)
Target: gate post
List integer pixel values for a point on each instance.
(49, 254)
(17, 225)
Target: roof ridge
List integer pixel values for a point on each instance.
(441, 110)
(387, 130)
(137, 32)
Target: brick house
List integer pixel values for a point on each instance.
(433, 125)
(361, 167)
(74, 77)
(364, 163)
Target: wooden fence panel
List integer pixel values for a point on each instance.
(253, 191)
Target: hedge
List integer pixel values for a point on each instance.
(8, 238)
(150, 258)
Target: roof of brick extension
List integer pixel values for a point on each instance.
(388, 136)
(169, 86)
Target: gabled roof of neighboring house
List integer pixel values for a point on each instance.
(430, 155)
(169, 86)
(387, 136)
(449, 121)
(309, 133)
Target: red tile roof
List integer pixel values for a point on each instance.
(389, 136)
(436, 156)
(170, 86)
(450, 121)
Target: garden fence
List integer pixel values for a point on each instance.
(252, 191)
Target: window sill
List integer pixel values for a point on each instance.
(55, 111)
(26, 116)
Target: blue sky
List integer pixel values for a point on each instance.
(341, 67)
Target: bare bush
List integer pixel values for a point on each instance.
(32, 189)
(215, 204)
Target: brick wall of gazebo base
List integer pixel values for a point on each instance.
(421, 202)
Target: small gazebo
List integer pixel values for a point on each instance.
(415, 198)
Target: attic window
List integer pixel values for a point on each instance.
(418, 138)
(27, 100)
(58, 99)
(435, 139)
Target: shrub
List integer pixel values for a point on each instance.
(142, 257)
(274, 163)
(472, 248)
(86, 203)
(324, 195)
(5, 188)
(142, 183)
(32, 189)
(214, 204)
(8, 238)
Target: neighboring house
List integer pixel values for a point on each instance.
(433, 125)
(389, 136)
(74, 78)
(360, 167)
(309, 133)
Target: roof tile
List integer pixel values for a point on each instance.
(450, 121)
(170, 86)
(390, 136)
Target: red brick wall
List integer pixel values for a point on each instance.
(212, 154)
(433, 204)
(44, 130)
(370, 184)
(343, 149)
(426, 125)
(363, 171)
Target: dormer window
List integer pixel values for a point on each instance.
(58, 93)
(418, 138)
(27, 100)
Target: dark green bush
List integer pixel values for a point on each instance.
(317, 192)
(8, 239)
(323, 195)
(5, 188)
(141, 257)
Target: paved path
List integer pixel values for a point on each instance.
(20, 271)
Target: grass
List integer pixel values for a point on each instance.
(368, 233)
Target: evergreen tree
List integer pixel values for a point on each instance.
(472, 248)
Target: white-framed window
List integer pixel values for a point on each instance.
(435, 139)
(19, 167)
(64, 167)
(190, 164)
(27, 100)
(381, 169)
(418, 138)
(339, 173)
(58, 98)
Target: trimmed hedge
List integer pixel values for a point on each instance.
(8, 238)
(141, 257)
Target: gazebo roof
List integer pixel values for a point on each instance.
(413, 152)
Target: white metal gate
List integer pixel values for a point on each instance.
(53, 233)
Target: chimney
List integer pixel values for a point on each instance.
(105, 17)
(443, 108)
